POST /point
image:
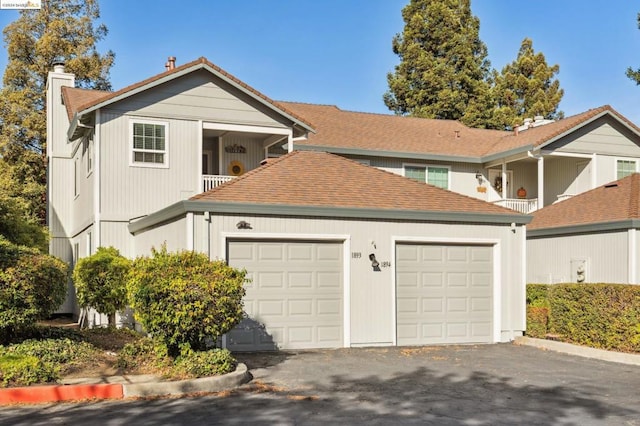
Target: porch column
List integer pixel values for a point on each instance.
(540, 182)
(504, 181)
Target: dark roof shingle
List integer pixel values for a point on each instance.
(616, 201)
(312, 178)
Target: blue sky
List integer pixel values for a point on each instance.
(339, 51)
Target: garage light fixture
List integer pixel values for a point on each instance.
(243, 225)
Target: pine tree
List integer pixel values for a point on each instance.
(631, 73)
(443, 71)
(61, 29)
(526, 88)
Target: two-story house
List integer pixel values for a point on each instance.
(341, 249)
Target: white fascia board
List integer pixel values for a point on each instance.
(200, 206)
(246, 128)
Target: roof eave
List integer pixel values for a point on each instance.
(392, 154)
(188, 70)
(223, 207)
(587, 228)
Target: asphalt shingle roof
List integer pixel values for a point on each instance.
(615, 201)
(312, 178)
(336, 128)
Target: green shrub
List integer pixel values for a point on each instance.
(31, 289)
(25, 370)
(205, 363)
(54, 351)
(100, 281)
(144, 352)
(148, 352)
(598, 315)
(184, 298)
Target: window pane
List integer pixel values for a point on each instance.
(438, 176)
(415, 173)
(149, 137)
(625, 168)
(137, 142)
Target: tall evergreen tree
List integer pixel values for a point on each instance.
(64, 29)
(631, 73)
(443, 71)
(526, 88)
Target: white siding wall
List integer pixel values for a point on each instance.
(198, 96)
(372, 306)
(172, 233)
(549, 259)
(561, 177)
(116, 234)
(128, 191)
(604, 137)
(462, 175)
(250, 159)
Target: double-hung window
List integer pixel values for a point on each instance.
(625, 168)
(149, 143)
(434, 175)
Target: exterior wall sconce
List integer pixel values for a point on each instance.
(374, 263)
(243, 225)
(479, 177)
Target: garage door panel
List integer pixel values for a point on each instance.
(296, 299)
(329, 280)
(432, 305)
(452, 285)
(432, 279)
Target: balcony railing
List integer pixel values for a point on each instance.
(518, 204)
(211, 181)
(563, 197)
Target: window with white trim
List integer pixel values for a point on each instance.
(149, 143)
(625, 168)
(434, 175)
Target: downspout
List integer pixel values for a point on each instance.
(96, 182)
(633, 255)
(190, 231)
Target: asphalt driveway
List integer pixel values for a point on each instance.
(446, 385)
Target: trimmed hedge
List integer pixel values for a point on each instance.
(605, 316)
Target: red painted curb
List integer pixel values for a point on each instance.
(56, 393)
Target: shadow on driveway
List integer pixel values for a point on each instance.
(444, 386)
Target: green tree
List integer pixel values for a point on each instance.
(526, 88)
(631, 73)
(101, 281)
(444, 70)
(64, 29)
(16, 223)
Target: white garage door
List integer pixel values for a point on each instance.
(444, 294)
(295, 298)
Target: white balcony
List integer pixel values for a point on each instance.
(518, 204)
(211, 181)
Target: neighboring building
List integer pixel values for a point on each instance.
(592, 237)
(128, 169)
